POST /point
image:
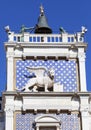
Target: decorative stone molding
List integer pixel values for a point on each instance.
(9, 109)
(10, 58)
(10, 52)
(46, 107)
(18, 105)
(18, 101)
(10, 55)
(84, 108)
(89, 100)
(75, 102)
(18, 46)
(81, 57)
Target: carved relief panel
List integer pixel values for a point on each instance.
(65, 73)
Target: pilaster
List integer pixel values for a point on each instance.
(9, 118)
(37, 127)
(64, 37)
(85, 120)
(82, 71)
(84, 109)
(10, 70)
(9, 112)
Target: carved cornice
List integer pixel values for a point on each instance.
(46, 107)
(45, 45)
(12, 93)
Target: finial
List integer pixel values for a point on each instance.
(42, 25)
(7, 28)
(41, 10)
(83, 30)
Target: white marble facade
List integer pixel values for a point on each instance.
(66, 105)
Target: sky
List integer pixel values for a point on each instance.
(69, 14)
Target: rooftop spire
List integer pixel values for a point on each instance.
(42, 25)
(41, 10)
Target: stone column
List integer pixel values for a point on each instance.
(10, 72)
(58, 127)
(37, 127)
(84, 110)
(85, 120)
(9, 119)
(64, 37)
(82, 72)
(9, 112)
(26, 37)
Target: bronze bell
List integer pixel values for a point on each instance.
(42, 26)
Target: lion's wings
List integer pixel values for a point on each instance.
(38, 71)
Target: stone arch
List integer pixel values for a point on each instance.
(47, 122)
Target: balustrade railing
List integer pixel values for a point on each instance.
(45, 38)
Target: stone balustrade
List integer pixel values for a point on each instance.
(45, 38)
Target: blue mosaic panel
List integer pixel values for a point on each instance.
(68, 122)
(65, 72)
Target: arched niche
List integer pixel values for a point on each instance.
(47, 123)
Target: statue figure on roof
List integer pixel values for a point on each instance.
(25, 29)
(83, 30)
(62, 30)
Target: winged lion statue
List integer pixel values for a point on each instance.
(44, 78)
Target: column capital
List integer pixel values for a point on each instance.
(10, 55)
(84, 109)
(9, 109)
(85, 114)
(82, 57)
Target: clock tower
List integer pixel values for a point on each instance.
(46, 79)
